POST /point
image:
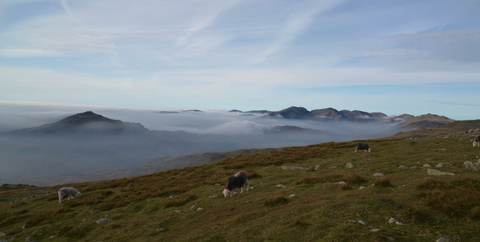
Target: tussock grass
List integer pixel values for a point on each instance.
(181, 200)
(275, 201)
(383, 182)
(458, 197)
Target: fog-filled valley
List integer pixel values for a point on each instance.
(34, 143)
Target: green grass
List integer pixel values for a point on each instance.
(320, 210)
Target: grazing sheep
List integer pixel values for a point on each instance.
(361, 146)
(476, 143)
(68, 191)
(236, 181)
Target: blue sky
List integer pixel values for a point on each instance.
(393, 57)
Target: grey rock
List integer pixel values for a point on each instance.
(281, 186)
(3, 234)
(471, 165)
(362, 222)
(444, 239)
(434, 172)
(390, 238)
(294, 168)
(317, 167)
(350, 165)
(442, 165)
(95, 211)
(403, 166)
(378, 174)
(26, 226)
(104, 220)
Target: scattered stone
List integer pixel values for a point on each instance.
(427, 165)
(333, 167)
(374, 230)
(95, 211)
(173, 196)
(149, 200)
(361, 188)
(294, 168)
(178, 211)
(444, 239)
(403, 166)
(292, 195)
(7, 240)
(362, 222)
(160, 229)
(471, 165)
(443, 149)
(193, 206)
(442, 165)
(3, 234)
(26, 226)
(398, 223)
(317, 167)
(352, 220)
(217, 184)
(247, 202)
(252, 188)
(281, 186)
(390, 238)
(378, 174)
(339, 183)
(85, 219)
(198, 209)
(392, 220)
(434, 172)
(104, 220)
(213, 196)
(106, 215)
(351, 165)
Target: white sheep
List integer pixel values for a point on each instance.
(68, 191)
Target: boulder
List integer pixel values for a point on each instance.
(104, 220)
(350, 165)
(471, 165)
(434, 172)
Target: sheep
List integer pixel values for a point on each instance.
(361, 146)
(476, 143)
(239, 180)
(68, 191)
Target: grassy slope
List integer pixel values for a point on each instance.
(319, 211)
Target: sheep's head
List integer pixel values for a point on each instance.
(226, 192)
(79, 194)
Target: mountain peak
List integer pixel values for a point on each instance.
(87, 122)
(86, 117)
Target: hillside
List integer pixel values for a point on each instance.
(283, 205)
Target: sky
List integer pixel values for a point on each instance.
(391, 56)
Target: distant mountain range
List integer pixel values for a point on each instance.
(85, 143)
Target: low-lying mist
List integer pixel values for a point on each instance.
(170, 133)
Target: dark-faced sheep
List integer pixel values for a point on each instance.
(239, 180)
(476, 143)
(361, 146)
(68, 191)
